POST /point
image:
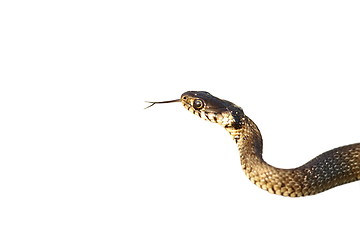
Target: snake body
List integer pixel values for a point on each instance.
(330, 169)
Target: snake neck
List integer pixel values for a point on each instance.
(335, 167)
(249, 141)
(250, 146)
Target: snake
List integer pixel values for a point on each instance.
(330, 169)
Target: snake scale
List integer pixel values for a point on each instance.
(330, 169)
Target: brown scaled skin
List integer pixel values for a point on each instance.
(330, 169)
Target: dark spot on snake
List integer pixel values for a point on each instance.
(208, 117)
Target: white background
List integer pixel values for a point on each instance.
(81, 159)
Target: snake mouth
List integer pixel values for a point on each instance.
(206, 111)
(188, 106)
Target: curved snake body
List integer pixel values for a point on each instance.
(330, 169)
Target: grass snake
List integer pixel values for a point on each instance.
(330, 169)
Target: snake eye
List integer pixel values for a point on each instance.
(198, 104)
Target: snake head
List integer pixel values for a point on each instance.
(213, 109)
